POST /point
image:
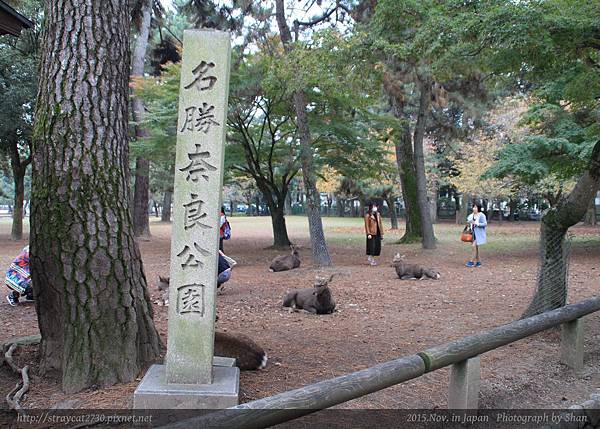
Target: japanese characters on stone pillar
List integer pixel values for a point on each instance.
(197, 195)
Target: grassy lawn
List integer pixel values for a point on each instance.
(349, 231)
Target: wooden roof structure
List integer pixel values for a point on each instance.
(11, 21)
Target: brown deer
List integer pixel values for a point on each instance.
(315, 300)
(287, 262)
(412, 271)
(248, 355)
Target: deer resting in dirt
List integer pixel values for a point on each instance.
(248, 355)
(287, 262)
(412, 271)
(315, 300)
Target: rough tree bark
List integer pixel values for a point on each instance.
(408, 183)
(276, 210)
(498, 201)
(390, 199)
(552, 282)
(465, 209)
(313, 201)
(91, 295)
(19, 168)
(288, 205)
(165, 216)
(280, 235)
(512, 205)
(457, 209)
(340, 206)
(406, 165)
(433, 205)
(590, 215)
(425, 99)
(141, 221)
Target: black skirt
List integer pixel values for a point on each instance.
(374, 245)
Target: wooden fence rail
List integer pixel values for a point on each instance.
(305, 400)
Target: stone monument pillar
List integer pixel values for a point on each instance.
(189, 379)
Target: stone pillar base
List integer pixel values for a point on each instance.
(155, 393)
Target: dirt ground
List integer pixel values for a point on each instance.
(378, 317)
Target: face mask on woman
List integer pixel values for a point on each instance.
(374, 209)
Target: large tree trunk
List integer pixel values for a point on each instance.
(17, 221)
(141, 221)
(498, 202)
(393, 215)
(280, 235)
(425, 99)
(465, 209)
(19, 168)
(433, 206)
(156, 208)
(91, 296)
(288, 204)
(406, 170)
(552, 282)
(276, 210)
(320, 252)
(313, 201)
(590, 215)
(341, 205)
(457, 209)
(165, 216)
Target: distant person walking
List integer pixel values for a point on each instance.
(478, 222)
(374, 232)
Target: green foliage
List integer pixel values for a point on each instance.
(18, 86)
(18, 89)
(558, 147)
(161, 100)
(261, 131)
(551, 49)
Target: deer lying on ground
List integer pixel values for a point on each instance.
(248, 355)
(412, 271)
(287, 262)
(315, 300)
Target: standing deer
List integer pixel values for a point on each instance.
(287, 262)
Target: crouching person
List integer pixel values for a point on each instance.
(18, 278)
(225, 266)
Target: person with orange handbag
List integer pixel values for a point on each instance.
(478, 222)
